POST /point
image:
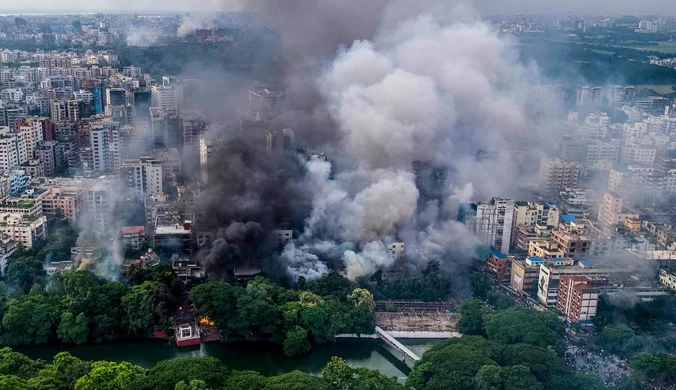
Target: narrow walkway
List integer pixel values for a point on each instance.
(407, 353)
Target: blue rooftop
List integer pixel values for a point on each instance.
(568, 218)
(587, 263)
(552, 206)
(535, 259)
(498, 254)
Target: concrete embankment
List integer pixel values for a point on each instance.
(404, 335)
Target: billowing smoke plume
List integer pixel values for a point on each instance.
(405, 92)
(425, 91)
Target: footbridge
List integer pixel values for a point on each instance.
(407, 356)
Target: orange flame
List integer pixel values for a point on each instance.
(206, 321)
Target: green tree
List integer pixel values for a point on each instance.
(308, 299)
(13, 382)
(296, 342)
(542, 362)
(23, 272)
(453, 364)
(111, 376)
(374, 380)
(472, 317)
(66, 370)
(107, 323)
(28, 320)
(363, 298)
(506, 378)
(145, 307)
(316, 320)
(480, 284)
(338, 374)
(295, 380)
(218, 301)
(245, 380)
(520, 325)
(73, 329)
(499, 301)
(15, 363)
(194, 384)
(615, 338)
(167, 373)
(333, 285)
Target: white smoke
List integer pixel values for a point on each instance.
(442, 91)
(300, 262)
(359, 206)
(141, 37)
(374, 255)
(192, 22)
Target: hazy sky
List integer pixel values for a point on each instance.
(655, 7)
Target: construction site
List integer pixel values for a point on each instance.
(416, 316)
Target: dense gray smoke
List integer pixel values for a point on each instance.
(237, 244)
(404, 88)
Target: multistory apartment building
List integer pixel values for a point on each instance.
(577, 299)
(105, 144)
(611, 211)
(143, 175)
(491, 221)
(556, 175)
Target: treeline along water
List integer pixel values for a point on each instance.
(267, 359)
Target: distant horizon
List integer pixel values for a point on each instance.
(169, 12)
(484, 7)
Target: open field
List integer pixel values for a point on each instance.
(413, 322)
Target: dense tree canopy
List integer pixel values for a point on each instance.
(66, 372)
(266, 311)
(433, 284)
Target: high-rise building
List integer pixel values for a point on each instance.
(533, 221)
(115, 97)
(263, 101)
(207, 149)
(99, 204)
(621, 95)
(59, 111)
(611, 212)
(490, 221)
(73, 110)
(3, 115)
(142, 99)
(167, 97)
(590, 97)
(280, 141)
(164, 127)
(105, 144)
(557, 175)
(32, 129)
(144, 175)
(571, 237)
(193, 126)
(52, 157)
(65, 110)
(12, 148)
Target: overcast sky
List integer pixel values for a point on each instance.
(655, 7)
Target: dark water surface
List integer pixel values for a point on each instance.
(267, 359)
